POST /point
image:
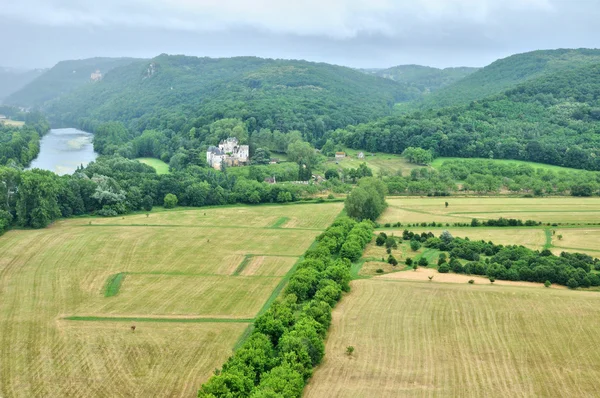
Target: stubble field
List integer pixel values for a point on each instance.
(190, 280)
(446, 339)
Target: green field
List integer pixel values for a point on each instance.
(380, 163)
(190, 280)
(437, 163)
(14, 123)
(157, 164)
(456, 339)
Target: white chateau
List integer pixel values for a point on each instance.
(229, 152)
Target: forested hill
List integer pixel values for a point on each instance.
(507, 73)
(424, 79)
(177, 92)
(12, 80)
(63, 78)
(553, 119)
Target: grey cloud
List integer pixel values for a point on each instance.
(364, 33)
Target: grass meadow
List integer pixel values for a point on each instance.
(157, 164)
(191, 283)
(428, 339)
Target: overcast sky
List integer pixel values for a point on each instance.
(358, 33)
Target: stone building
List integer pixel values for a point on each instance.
(229, 152)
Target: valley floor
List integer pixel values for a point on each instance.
(191, 281)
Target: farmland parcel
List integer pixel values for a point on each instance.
(191, 282)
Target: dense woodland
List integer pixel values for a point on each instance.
(423, 79)
(63, 78)
(20, 145)
(507, 73)
(179, 93)
(12, 80)
(554, 119)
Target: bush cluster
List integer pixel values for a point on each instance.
(517, 263)
(288, 339)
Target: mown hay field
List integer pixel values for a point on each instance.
(446, 339)
(305, 216)
(460, 209)
(71, 292)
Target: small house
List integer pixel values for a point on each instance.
(340, 155)
(274, 161)
(2, 117)
(361, 155)
(271, 180)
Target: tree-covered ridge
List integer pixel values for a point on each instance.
(553, 119)
(61, 79)
(506, 73)
(424, 79)
(20, 145)
(12, 80)
(180, 92)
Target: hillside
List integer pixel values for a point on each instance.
(63, 78)
(507, 73)
(12, 80)
(169, 91)
(425, 79)
(552, 119)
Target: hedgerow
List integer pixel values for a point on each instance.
(287, 341)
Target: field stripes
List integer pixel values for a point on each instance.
(113, 284)
(243, 264)
(279, 223)
(157, 319)
(201, 226)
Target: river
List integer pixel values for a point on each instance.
(62, 150)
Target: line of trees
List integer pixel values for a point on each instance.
(114, 185)
(287, 341)
(516, 263)
(489, 177)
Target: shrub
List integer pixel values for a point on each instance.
(423, 262)
(547, 284)
(147, 203)
(492, 279)
(572, 284)
(415, 245)
(408, 261)
(444, 269)
(392, 260)
(471, 281)
(380, 241)
(379, 271)
(170, 201)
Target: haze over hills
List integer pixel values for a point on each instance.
(506, 73)
(12, 80)
(63, 78)
(173, 91)
(425, 79)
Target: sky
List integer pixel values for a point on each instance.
(356, 33)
